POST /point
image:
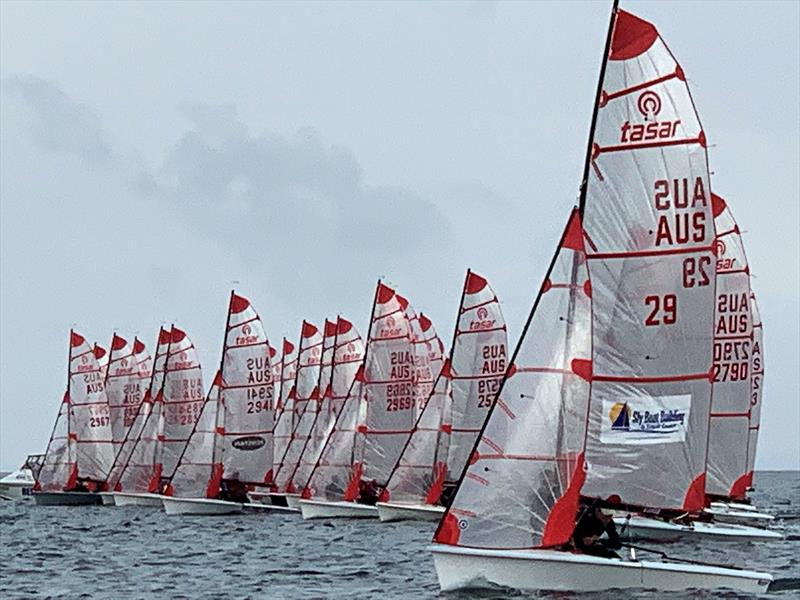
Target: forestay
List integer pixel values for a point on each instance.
(182, 398)
(650, 240)
(479, 359)
(284, 418)
(139, 469)
(347, 355)
(134, 391)
(521, 487)
(756, 388)
(727, 467)
(305, 399)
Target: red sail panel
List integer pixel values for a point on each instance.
(521, 486)
(182, 397)
(479, 361)
(284, 423)
(139, 471)
(650, 233)
(305, 401)
(733, 347)
(247, 410)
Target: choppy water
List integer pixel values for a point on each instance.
(113, 552)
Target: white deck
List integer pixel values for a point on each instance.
(460, 568)
(323, 509)
(397, 511)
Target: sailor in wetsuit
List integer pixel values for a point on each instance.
(592, 524)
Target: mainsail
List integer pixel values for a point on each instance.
(521, 486)
(138, 455)
(102, 357)
(123, 399)
(81, 449)
(347, 354)
(305, 399)
(727, 468)
(756, 389)
(182, 398)
(284, 416)
(454, 414)
(646, 211)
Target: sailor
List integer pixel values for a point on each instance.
(591, 525)
(368, 492)
(233, 490)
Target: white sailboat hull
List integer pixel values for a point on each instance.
(729, 514)
(459, 568)
(643, 528)
(293, 501)
(323, 509)
(132, 499)
(395, 511)
(107, 498)
(66, 498)
(199, 506)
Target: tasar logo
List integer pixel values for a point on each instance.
(391, 329)
(649, 105)
(483, 321)
(246, 338)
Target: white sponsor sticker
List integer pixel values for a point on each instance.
(651, 420)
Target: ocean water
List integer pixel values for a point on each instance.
(114, 552)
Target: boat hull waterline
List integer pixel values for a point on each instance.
(131, 499)
(465, 568)
(66, 498)
(395, 511)
(643, 528)
(322, 509)
(107, 498)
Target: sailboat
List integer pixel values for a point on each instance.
(304, 399)
(81, 450)
(230, 447)
(129, 368)
(340, 363)
(177, 398)
(452, 417)
(622, 322)
(373, 423)
(726, 461)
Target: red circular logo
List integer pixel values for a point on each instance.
(649, 104)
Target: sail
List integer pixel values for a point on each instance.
(650, 235)
(522, 484)
(478, 362)
(284, 422)
(195, 475)
(756, 389)
(139, 470)
(388, 389)
(305, 397)
(102, 356)
(58, 470)
(247, 409)
(123, 398)
(428, 359)
(133, 393)
(182, 400)
(727, 469)
(347, 354)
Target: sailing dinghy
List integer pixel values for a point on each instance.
(81, 450)
(340, 362)
(617, 330)
(445, 433)
(177, 400)
(230, 447)
(304, 399)
(373, 423)
(128, 371)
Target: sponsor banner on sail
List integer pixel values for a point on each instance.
(653, 420)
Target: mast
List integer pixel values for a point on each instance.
(585, 179)
(221, 401)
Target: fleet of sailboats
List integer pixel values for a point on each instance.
(635, 386)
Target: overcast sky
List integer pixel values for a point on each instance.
(152, 154)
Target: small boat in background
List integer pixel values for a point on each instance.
(19, 484)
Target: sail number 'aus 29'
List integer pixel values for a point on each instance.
(681, 220)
